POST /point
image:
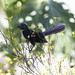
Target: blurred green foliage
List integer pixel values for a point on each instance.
(35, 12)
(40, 12)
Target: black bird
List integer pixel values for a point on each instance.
(39, 37)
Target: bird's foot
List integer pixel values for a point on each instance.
(30, 50)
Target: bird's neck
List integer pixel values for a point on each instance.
(26, 33)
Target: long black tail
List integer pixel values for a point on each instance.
(55, 29)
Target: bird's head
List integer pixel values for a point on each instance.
(22, 26)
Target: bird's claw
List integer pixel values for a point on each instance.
(30, 50)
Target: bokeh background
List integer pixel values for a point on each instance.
(39, 15)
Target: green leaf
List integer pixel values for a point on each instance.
(65, 56)
(6, 5)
